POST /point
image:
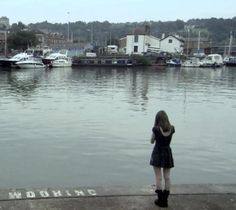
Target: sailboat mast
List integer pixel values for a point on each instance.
(230, 43)
(5, 47)
(198, 43)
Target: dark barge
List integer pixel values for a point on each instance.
(104, 61)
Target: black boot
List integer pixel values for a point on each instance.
(159, 199)
(165, 198)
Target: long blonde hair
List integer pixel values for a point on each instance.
(162, 120)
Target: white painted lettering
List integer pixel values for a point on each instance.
(30, 194)
(57, 193)
(79, 193)
(54, 193)
(68, 193)
(15, 195)
(92, 192)
(44, 194)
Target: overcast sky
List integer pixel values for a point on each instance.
(60, 11)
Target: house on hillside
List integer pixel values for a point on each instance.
(172, 44)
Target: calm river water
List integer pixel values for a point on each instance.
(91, 126)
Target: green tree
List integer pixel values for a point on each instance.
(22, 40)
(16, 27)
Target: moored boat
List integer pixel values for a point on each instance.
(57, 60)
(104, 61)
(12, 61)
(30, 63)
(191, 62)
(173, 62)
(212, 60)
(231, 61)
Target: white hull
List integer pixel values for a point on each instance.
(30, 66)
(61, 64)
(191, 65)
(56, 60)
(192, 62)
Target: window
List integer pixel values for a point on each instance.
(135, 48)
(136, 38)
(170, 40)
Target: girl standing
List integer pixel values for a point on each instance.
(161, 158)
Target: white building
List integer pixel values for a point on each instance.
(140, 43)
(172, 44)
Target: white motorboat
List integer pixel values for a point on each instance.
(212, 60)
(16, 58)
(30, 63)
(173, 62)
(57, 60)
(6, 62)
(191, 62)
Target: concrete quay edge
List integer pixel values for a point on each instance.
(79, 192)
(183, 197)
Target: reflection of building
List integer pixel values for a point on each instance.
(4, 23)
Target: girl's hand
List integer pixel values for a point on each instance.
(152, 138)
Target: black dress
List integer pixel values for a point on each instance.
(162, 154)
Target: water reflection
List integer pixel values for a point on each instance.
(102, 117)
(107, 81)
(19, 84)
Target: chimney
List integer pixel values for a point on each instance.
(163, 35)
(147, 30)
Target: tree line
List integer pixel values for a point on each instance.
(216, 29)
(100, 33)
